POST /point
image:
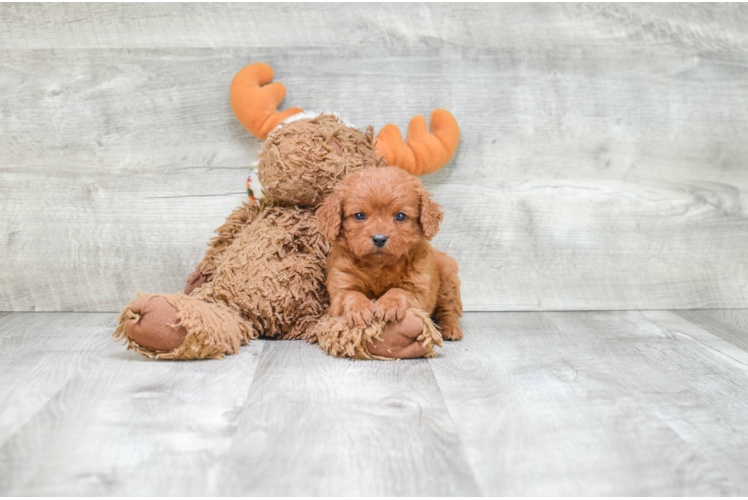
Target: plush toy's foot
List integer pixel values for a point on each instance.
(176, 326)
(400, 340)
(413, 337)
(154, 324)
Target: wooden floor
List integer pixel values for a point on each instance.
(568, 403)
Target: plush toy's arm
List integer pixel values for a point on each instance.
(238, 220)
(422, 152)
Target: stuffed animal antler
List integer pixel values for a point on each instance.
(255, 100)
(422, 152)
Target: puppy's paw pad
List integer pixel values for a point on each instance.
(452, 332)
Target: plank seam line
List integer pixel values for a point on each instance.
(457, 433)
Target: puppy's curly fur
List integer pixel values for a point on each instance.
(380, 220)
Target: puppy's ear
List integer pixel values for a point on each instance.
(330, 215)
(431, 213)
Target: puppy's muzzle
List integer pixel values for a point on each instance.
(379, 240)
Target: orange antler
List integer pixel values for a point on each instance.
(255, 102)
(421, 153)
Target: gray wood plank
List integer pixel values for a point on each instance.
(39, 354)
(317, 425)
(115, 423)
(574, 403)
(597, 404)
(730, 325)
(85, 25)
(601, 165)
(676, 325)
(118, 164)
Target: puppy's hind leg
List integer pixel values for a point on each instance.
(448, 302)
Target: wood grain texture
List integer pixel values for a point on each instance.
(83, 416)
(47, 26)
(316, 425)
(608, 403)
(299, 422)
(39, 355)
(565, 403)
(602, 164)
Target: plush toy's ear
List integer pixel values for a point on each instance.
(422, 152)
(330, 215)
(431, 213)
(255, 100)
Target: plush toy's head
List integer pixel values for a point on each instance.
(305, 156)
(302, 161)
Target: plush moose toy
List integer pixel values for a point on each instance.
(264, 272)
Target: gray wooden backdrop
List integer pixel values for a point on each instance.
(603, 163)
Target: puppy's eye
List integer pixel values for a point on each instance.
(400, 217)
(360, 216)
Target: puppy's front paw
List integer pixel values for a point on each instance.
(358, 312)
(451, 332)
(391, 308)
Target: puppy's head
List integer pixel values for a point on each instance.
(379, 211)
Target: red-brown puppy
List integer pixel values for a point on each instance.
(379, 220)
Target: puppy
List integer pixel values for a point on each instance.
(379, 220)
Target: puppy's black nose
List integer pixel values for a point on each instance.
(379, 240)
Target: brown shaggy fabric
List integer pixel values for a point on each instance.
(235, 223)
(288, 152)
(274, 272)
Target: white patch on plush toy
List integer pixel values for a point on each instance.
(254, 186)
(299, 116)
(314, 114)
